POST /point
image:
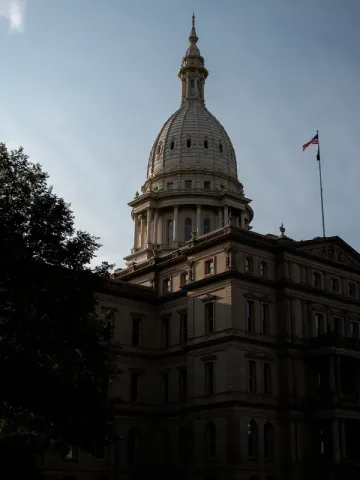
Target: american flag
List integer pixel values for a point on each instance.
(313, 141)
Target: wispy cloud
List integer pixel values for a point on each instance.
(14, 11)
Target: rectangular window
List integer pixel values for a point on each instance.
(166, 285)
(136, 330)
(184, 278)
(338, 325)
(263, 269)
(183, 385)
(207, 185)
(316, 279)
(134, 387)
(183, 327)
(351, 289)
(334, 285)
(209, 317)
(267, 378)
(166, 387)
(319, 324)
(252, 376)
(250, 316)
(209, 267)
(109, 316)
(170, 185)
(166, 331)
(209, 378)
(265, 318)
(354, 327)
(188, 184)
(248, 264)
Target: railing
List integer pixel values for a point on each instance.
(193, 191)
(333, 339)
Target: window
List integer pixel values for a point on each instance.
(159, 148)
(338, 325)
(206, 144)
(210, 440)
(209, 317)
(267, 378)
(316, 279)
(133, 443)
(188, 229)
(192, 83)
(319, 324)
(108, 315)
(166, 286)
(172, 145)
(184, 445)
(183, 327)
(188, 143)
(265, 318)
(209, 267)
(252, 376)
(250, 316)
(268, 440)
(253, 439)
(221, 147)
(206, 226)
(207, 185)
(183, 384)
(134, 387)
(248, 264)
(334, 285)
(136, 330)
(351, 289)
(170, 185)
(209, 378)
(166, 331)
(354, 328)
(188, 184)
(184, 278)
(263, 269)
(170, 230)
(166, 387)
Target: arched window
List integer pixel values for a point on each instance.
(268, 440)
(170, 231)
(210, 440)
(188, 225)
(184, 445)
(206, 226)
(253, 439)
(133, 443)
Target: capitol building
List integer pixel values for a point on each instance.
(240, 351)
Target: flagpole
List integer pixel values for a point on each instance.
(321, 188)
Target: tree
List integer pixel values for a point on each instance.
(55, 355)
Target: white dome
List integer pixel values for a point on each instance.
(192, 139)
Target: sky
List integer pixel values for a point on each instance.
(86, 85)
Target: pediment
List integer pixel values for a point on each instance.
(334, 249)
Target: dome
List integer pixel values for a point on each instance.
(192, 139)
(192, 142)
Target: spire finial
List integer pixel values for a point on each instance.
(193, 20)
(282, 229)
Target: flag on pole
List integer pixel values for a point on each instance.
(313, 141)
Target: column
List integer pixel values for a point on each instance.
(242, 220)
(136, 232)
(198, 220)
(336, 443)
(156, 226)
(148, 231)
(342, 439)
(141, 230)
(176, 214)
(338, 376)
(220, 218)
(332, 374)
(226, 215)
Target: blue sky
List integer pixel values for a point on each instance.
(87, 84)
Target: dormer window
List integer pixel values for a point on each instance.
(188, 143)
(158, 149)
(206, 144)
(221, 148)
(172, 145)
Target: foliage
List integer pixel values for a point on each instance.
(55, 356)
